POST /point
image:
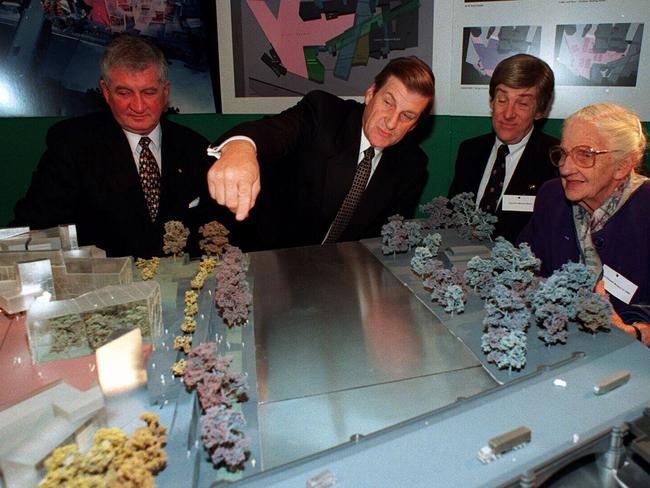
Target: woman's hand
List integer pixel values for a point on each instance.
(643, 327)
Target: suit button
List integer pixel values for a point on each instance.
(599, 241)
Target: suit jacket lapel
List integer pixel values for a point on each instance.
(341, 165)
(480, 159)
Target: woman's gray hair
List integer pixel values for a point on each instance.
(133, 54)
(621, 126)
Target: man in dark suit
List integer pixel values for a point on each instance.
(505, 168)
(93, 171)
(312, 155)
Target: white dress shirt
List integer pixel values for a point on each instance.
(512, 159)
(155, 145)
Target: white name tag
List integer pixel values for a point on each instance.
(518, 203)
(618, 285)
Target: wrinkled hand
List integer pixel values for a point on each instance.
(234, 179)
(618, 321)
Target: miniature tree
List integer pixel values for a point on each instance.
(455, 299)
(223, 437)
(506, 320)
(432, 241)
(175, 238)
(438, 213)
(471, 222)
(218, 388)
(215, 238)
(593, 311)
(394, 236)
(479, 275)
(555, 299)
(421, 262)
(114, 459)
(514, 267)
(442, 283)
(414, 234)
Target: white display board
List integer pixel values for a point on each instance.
(595, 47)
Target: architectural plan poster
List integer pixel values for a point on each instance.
(597, 49)
(274, 52)
(485, 47)
(50, 52)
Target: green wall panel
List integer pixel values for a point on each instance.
(22, 141)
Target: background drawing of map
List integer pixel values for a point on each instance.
(485, 47)
(286, 48)
(597, 54)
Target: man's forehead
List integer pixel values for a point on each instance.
(530, 91)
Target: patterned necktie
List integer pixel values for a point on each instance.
(352, 198)
(490, 200)
(149, 177)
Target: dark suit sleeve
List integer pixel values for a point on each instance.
(458, 184)
(53, 195)
(278, 135)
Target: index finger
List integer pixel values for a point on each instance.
(244, 195)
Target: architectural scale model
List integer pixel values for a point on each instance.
(497, 446)
(76, 327)
(114, 459)
(58, 414)
(74, 271)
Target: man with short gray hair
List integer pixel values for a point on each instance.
(119, 175)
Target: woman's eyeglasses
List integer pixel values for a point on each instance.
(583, 156)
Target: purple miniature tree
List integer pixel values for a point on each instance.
(439, 282)
(218, 388)
(514, 267)
(555, 299)
(232, 296)
(593, 311)
(223, 437)
(394, 236)
(506, 320)
(414, 234)
(471, 222)
(438, 213)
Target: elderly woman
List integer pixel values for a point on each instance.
(598, 211)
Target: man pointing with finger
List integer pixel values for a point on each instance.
(334, 170)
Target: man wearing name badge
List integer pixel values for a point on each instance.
(505, 168)
(333, 170)
(119, 175)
